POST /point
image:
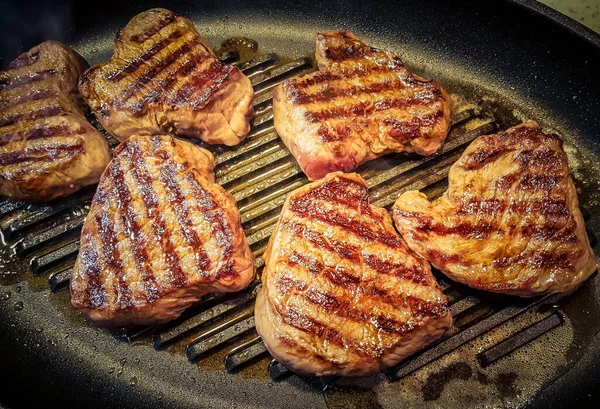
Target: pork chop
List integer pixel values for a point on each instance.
(160, 234)
(47, 147)
(341, 293)
(509, 221)
(163, 78)
(362, 104)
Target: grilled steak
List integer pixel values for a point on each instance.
(159, 235)
(362, 104)
(341, 293)
(163, 78)
(47, 147)
(509, 221)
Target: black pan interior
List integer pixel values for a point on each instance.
(504, 55)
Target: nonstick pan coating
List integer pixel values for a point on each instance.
(517, 58)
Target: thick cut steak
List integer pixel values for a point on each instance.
(342, 294)
(509, 221)
(362, 103)
(160, 234)
(47, 147)
(163, 78)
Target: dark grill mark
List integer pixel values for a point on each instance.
(40, 154)
(367, 108)
(168, 176)
(8, 84)
(109, 247)
(149, 75)
(400, 270)
(295, 85)
(544, 158)
(304, 208)
(24, 60)
(346, 192)
(95, 291)
(44, 112)
(143, 58)
(540, 182)
(145, 35)
(39, 133)
(33, 95)
(344, 250)
(413, 128)
(202, 85)
(480, 230)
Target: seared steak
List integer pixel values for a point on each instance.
(163, 78)
(159, 235)
(362, 104)
(342, 294)
(509, 221)
(47, 147)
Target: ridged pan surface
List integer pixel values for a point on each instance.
(501, 63)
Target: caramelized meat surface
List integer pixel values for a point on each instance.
(163, 78)
(47, 147)
(160, 234)
(362, 103)
(342, 294)
(509, 221)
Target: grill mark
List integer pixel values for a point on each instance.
(413, 273)
(33, 95)
(367, 108)
(24, 60)
(297, 319)
(540, 182)
(45, 112)
(51, 153)
(354, 51)
(343, 191)
(342, 249)
(358, 71)
(334, 133)
(8, 84)
(465, 229)
(545, 158)
(95, 291)
(149, 75)
(332, 217)
(168, 178)
(142, 59)
(538, 259)
(392, 82)
(39, 133)
(109, 243)
(149, 32)
(133, 229)
(405, 130)
(201, 86)
(156, 219)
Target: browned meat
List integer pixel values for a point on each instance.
(362, 104)
(509, 221)
(163, 78)
(47, 147)
(341, 293)
(159, 235)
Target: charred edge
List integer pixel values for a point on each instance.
(12, 83)
(169, 179)
(24, 60)
(41, 154)
(306, 209)
(142, 59)
(46, 112)
(149, 32)
(201, 86)
(364, 109)
(109, 243)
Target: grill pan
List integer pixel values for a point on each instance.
(501, 62)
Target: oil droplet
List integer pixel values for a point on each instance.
(40, 329)
(5, 296)
(111, 370)
(119, 373)
(123, 361)
(18, 306)
(18, 289)
(93, 50)
(133, 381)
